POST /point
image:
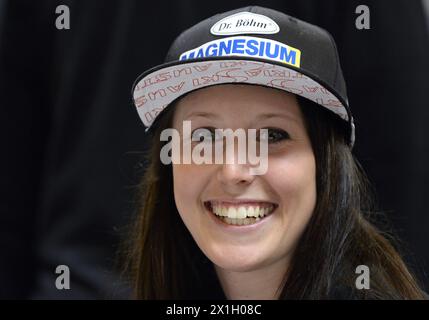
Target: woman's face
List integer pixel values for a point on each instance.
(286, 193)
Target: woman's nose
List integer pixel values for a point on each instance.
(235, 174)
(236, 169)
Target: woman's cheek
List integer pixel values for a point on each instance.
(293, 180)
(182, 177)
(188, 183)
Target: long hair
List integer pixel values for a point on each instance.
(164, 262)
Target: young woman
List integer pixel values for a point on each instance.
(299, 230)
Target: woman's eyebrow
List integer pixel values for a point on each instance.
(266, 116)
(202, 114)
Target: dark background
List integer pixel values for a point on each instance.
(71, 141)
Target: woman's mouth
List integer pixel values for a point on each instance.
(240, 213)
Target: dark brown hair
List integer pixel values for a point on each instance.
(164, 261)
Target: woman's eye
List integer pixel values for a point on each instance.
(273, 135)
(203, 134)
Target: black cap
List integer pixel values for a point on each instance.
(252, 45)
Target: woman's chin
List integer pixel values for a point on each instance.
(237, 260)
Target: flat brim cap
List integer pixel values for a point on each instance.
(251, 45)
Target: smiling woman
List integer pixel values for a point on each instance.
(298, 231)
(246, 223)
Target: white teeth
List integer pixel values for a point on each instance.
(241, 212)
(238, 222)
(232, 212)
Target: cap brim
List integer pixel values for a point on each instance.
(155, 89)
